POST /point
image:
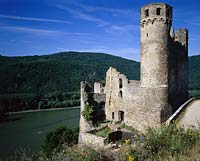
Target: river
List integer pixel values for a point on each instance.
(29, 129)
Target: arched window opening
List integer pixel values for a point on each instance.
(120, 83)
(146, 12)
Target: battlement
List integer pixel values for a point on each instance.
(181, 36)
(155, 12)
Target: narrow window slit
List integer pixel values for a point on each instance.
(113, 115)
(120, 83)
(120, 94)
(146, 12)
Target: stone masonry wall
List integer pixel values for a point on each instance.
(98, 102)
(92, 140)
(99, 88)
(119, 97)
(181, 44)
(142, 107)
(84, 125)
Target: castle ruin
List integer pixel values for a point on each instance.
(163, 84)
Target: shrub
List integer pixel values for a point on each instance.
(22, 154)
(76, 154)
(165, 141)
(88, 111)
(56, 139)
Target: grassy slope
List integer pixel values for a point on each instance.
(64, 71)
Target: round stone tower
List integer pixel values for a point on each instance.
(155, 25)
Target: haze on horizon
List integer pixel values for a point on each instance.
(38, 27)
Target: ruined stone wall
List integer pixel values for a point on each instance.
(98, 97)
(178, 68)
(142, 107)
(181, 44)
(163, 84)
(92, 140)
(119, 94)
(84, 126)
(172, 75)
(99, 88)
(99, 106)
(164, 80)
(97, 101)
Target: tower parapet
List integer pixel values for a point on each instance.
(155, 12)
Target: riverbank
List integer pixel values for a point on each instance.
(41, 110)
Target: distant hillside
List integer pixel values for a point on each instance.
(59, 72)
(64, 71)
(194, 72)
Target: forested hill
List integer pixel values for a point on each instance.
(59, 72)
(64, 71)
(194, 72)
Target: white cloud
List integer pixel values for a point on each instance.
(90, 8)
(108, 27)
(30, 30)
(83, 16)
(42, 31)
(33, 19)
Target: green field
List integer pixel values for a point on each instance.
(29, 129)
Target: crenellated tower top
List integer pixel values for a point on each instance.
(156, 12)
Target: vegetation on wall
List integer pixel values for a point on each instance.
(88, 111)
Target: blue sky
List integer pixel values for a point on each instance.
(38, 27)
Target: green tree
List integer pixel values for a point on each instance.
(88, 111)
(56, 139)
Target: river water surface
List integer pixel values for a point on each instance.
(29, 129)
